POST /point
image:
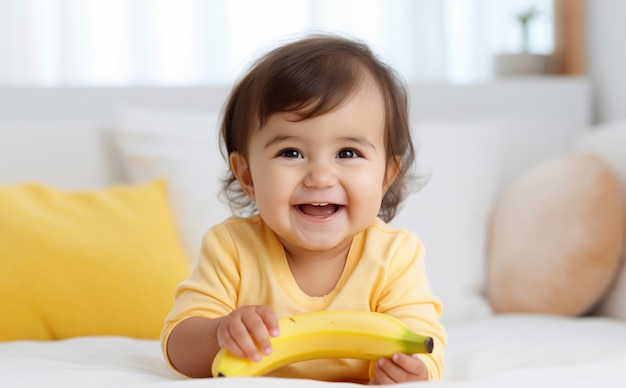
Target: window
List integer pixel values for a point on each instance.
(167, 42)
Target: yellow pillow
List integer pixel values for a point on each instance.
(98, 262)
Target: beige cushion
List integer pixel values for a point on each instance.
(608, 141)
(556, 237)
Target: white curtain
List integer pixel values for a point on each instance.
(180, 42)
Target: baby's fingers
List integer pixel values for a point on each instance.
(247, 330)
(235, 337)
(239, 341)
(400, 368)
(270, 320)
(257, 328)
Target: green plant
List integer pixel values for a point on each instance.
(524, 19)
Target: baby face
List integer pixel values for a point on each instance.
(319, 182)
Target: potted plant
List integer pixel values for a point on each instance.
(523, 62)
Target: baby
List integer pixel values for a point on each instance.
(317, 136)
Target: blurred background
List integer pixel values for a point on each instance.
(210, 42)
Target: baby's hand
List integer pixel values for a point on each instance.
(246, 330)
(398, 369)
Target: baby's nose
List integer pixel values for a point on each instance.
(320, 175)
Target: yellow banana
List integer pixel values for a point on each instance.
(328, 334)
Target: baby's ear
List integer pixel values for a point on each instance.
(239, 166)
(393, 169)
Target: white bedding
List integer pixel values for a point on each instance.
(503, 351)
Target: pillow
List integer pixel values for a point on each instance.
(609, 142)
(556, 237)
(182, 148)
(98, 262)
(450, 213)
(46, 151)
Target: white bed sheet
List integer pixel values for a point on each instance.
(503, 351)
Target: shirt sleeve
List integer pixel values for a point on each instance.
(406, 295)
(212, 287)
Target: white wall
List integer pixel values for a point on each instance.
(606, 57)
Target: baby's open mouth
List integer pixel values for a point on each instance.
(318, 209)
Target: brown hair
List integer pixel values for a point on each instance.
(313, 76)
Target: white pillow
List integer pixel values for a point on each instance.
(181, 147)
(47, 151)
(451, 212)
(609, 142)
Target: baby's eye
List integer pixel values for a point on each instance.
(348, 153)
(290, 153)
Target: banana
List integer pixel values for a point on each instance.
(328, 334)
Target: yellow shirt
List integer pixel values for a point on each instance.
(242, 262)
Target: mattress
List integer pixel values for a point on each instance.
(513, 350)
